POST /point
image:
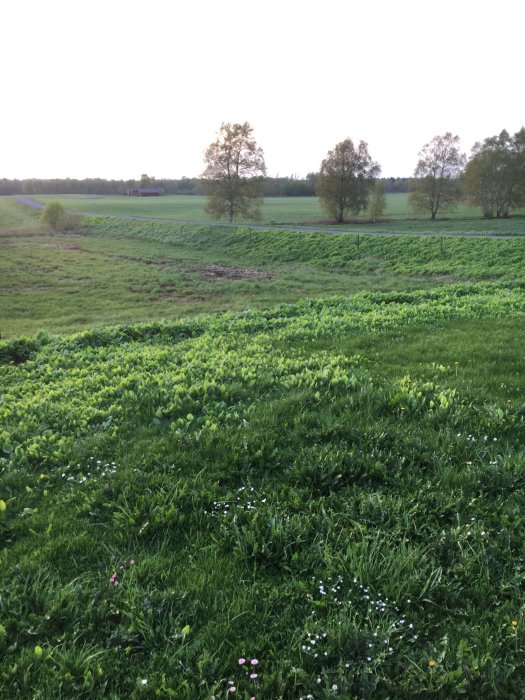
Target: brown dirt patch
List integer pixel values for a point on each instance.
(66, 246)
(217, 272)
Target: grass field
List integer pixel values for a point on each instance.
(321, 498)
(115, 271)
(281, 211)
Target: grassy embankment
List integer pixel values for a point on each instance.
(123, 271)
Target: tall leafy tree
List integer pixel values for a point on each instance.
(345, 179)
(146, 181)
(436, 178)
(233, 176)
(495, 175)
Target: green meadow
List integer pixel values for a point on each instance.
(281, 211)
(112, 271)
(260, 463)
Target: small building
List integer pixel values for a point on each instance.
(145, 192)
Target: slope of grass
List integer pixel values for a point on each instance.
(332, 489)
(59, 283)
(18, 217)
(114, 271)
(480, 258)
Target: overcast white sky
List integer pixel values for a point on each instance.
(115, 88)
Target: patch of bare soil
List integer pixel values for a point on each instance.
(65, 246)
(217, 272)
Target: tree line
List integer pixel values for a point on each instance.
(286, 186)
(348, 180)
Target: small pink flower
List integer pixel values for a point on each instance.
(253, 676)
(132, 562)
(232, 689)
(254, 662)
(242, 661)
(115, 583)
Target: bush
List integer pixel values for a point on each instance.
(53, 215)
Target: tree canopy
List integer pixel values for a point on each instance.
(233, 175)
(345, 179)
(495, 175)
(436, 177)
(146, 181)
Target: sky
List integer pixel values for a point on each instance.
(117, 88)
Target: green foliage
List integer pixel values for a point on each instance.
(146, 181)
(495, 175)
(345, 179)
(191, 503)
(436, 178)
(232, 178)
(301, 491)
(53, 215)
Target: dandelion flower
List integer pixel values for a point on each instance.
(514, 623)
(432, 664)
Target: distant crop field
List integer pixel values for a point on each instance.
(300, 211)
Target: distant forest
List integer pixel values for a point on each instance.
(273, 186)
